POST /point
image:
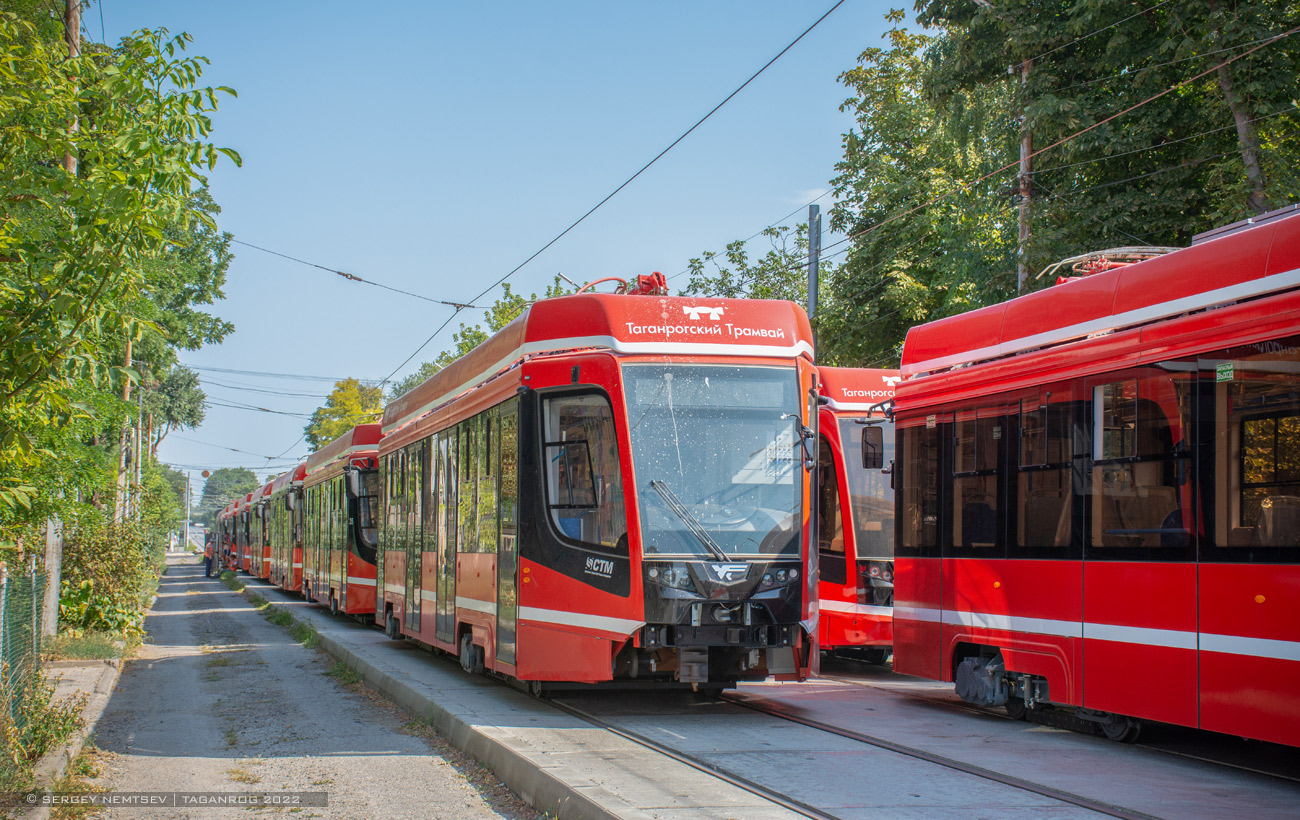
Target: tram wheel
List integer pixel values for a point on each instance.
(471, 659)
(1121, 729)
(1016, 708)
(536, 689)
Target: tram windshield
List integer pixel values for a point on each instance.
(871, 490)
(715, 458)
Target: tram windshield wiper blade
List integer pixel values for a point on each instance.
(692, 523)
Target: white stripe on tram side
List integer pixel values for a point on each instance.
(1114, 633)
(361, 582)
(475, 605)
(856, 609)
(623, 626)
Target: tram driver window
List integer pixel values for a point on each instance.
(584, 484)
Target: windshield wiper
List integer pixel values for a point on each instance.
(692, 523)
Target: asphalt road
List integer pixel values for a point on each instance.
(221, 700)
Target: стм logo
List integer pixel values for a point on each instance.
(728, 573)
(694, 312)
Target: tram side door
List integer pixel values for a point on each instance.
(417, 467)
(508, 552)
(448, 509)
(1140, 572)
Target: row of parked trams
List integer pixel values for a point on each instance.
(1084, 499)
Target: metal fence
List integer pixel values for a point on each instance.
(20, 639)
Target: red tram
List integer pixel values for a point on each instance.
(340, 500)
(855, 512)
(284, 528)
(611, 487)
(259, 535)
(1099, 501)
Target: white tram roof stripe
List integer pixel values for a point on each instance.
(618, 346)
(855, 609)
(622, 626)
(1255, 287)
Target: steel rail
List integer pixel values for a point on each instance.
(699, 764)
(976, 710)
(751, 702)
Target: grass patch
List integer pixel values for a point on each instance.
(242, 774)
(89, 645)
(304, 633)
(46, 725)
(344, 674)
(231, 580)
(232, 737)
(79, 780)
(259, 603)
(218, 660)
(279, 616)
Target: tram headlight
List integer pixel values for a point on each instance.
(676, 576)
(766, 582)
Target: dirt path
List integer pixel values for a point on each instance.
(219, 699)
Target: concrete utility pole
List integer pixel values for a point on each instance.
(814, 262)
(186, 543)
(1026, 184)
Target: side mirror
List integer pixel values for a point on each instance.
(352, 483)
(873, 448)
(290, 501)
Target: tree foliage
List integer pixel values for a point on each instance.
(221, 487)
(350, 403)
(80, 252)
(503, 311)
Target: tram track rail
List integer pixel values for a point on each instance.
(754, 703)
(697, 763)
(957, 706)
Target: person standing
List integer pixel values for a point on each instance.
(208, 549)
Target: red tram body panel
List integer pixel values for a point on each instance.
(260, 533)
(338, 555)
(855, 512)
(612, 486)
(1099, 502)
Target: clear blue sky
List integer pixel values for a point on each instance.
(434, 146)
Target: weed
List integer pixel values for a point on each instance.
(344, 674)
(241, 774)
(39, 725)
(279, 617)
(232, 737)
(91, 645)
(218, 660)
(231, 580)
(80, 780)
(259, 603)
(304, 633)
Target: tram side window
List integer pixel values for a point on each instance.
(830, 523)
(584, 480)
(978, 438)
(1250, 464)
(1044, 508)
(1141, 499)
(919, 512)
(871, 490)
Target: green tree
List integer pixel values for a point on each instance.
(175, 403)
(222, 487)
(350, 403)
(503, 311)
(75, 248)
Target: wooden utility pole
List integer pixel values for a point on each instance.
(119, 506)
(1026, 184)
(72, 35)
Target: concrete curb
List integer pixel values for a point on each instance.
(51, 768)
(538, 787)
